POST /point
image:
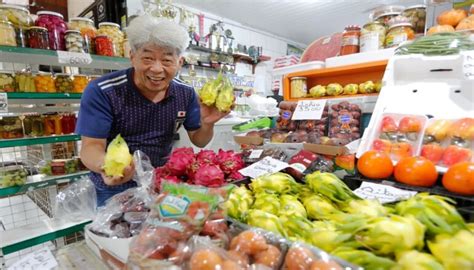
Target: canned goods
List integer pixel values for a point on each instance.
(298, 88)
(372, 37)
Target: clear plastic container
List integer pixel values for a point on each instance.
(79, 83)
(74, 41)
(44, 83)
(14, 175)
(25, 82)
(298, 87)
(38, 38)
(417, 16)
(399, 33)
(87, 29)
(7, 82)
(112, 30)
(372, 37)
(56, 26)
(63, 83)
(7, 34)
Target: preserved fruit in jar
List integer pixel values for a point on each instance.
(25, 82)
(399, 33)
(34, 126)
(79, 83)
(38, 38)
(7, 83)
(7, 34)
(20, 18)
(44, 83)
(11, 128)
(112, 30)
(52, 124)
(372, 37)
(417, 16)
(56, 26)
(68, 123)
(87, 29)
(299, 88)
(74, 41)
(350, 40)
(63, 83)
(104, 46)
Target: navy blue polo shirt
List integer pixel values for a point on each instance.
(112, 105)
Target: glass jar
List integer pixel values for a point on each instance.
(112, 30)
(56, 26)
(7, 34)
(126, 48)
(7, 82)
(63, 83)
(87, 29)
(33, 125)
(25, 82)
(11, 128)
(385, 18)
(350, 40)
(74, 41)
(104, 46)
(52, 124)
(79, 83)
(417, 16)
(21, 20)
(68, 123)
(298, 87)
(44, 83)
(372, 37)
(38, 38)
(399, 33)
(14, 175)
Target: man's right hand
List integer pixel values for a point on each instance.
(128, 173)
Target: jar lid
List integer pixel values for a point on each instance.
(298, 78)
(415, 6)
(101, 36)
(62, 74)
(395, 13)
(15, 7)
(81, 19)
(38, 28)
(352, 27)
(400, 24)
(109, 24)
(373, 23)
(73, 31)
(44, 12)
(6, 22)
(80, 75)
(44, 73)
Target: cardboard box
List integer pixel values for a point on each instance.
(113, 252)
(326, 149)
(253, 140)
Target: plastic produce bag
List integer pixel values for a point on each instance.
(77, 201)
(438, 44)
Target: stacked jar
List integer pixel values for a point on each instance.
(44, 83)
(25, 81)
(63, 83)
(400, 30)
(112, 31)
(372, 37)
(21, 20)
(56, 26)
(74, 41)
(104, 45)
(87, 29)
(7, 82)
(350, 40)
(7, 34)
(417, 16)
(38, 38)
(79, 83)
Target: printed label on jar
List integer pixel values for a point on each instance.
(400, 38)
(350, 41)
(370, 42)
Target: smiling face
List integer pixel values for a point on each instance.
(155, 67)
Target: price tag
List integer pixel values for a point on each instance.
(3, 103)
(264, 166)
(309, 109)
(256, 153)
(41, 259)
(382, 193)
(74, 58)
(468, 65)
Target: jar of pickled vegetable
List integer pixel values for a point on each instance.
(417, 16)
(112, 30)
(104, 46)
(63, 83)
(79, 83)
(38, 38)
(7, 82)
(11, 128)
(44, 83)
(7, 34)
(25, 81)
(372, 37)
(87, 29)
(350, 40)
(399, 33)
(20, 18)
(33, 125)
(298, 87)
(74, 41)
(56, 26)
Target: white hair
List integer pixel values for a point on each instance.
(146, 29)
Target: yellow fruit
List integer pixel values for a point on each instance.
(117, 157)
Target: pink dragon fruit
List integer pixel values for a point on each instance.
(235, 176)
(206, 156)
(179, 160)
(163, 174)
(229, 161)
(209, 175)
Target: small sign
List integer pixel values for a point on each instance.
(41, 259)
(256, 153)
(264, 166)
(382, 193)
(74, 58)
(309, 109)
(3, 103)
(468, 65)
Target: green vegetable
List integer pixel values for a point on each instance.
(454, 252)
(438, 44)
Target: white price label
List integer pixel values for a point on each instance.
(309, 109)
(264, 166)
(3, 103)
(468, 65)
(382, 193)
(41, 259)
(256, 153)
(74, 58)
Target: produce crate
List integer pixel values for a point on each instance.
(464, 204)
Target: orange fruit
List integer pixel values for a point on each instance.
(375, 165)
(205, 259)
(269, 257)
(299, 258)
(416, 171)
(230, 265)
(460, 178)
(323, 265)
(248, 242)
